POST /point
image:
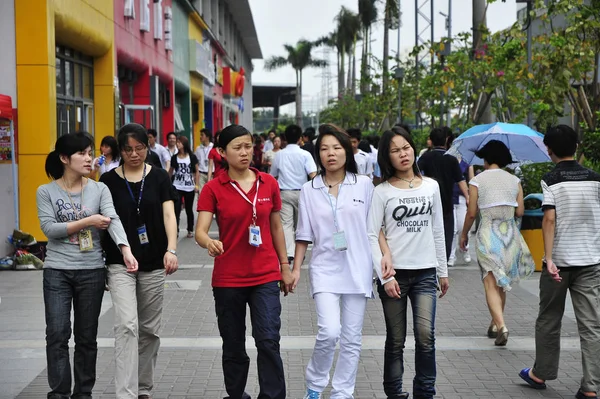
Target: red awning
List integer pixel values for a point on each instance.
(6, 111)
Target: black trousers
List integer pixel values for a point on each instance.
(448, 231)
(188, 198)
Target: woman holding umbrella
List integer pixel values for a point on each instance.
(502, 253)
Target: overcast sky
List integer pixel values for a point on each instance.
(286, 21)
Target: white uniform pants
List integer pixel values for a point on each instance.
(340, 318)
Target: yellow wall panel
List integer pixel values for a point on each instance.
(36, 91)
(31, 176)
(34, 28)
(83, 27)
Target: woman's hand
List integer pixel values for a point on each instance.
(129, 259)
(392, 289)
(287, 280)
(387, 268)
(444, 285)
(464, 241)
(170, 262)
(215, 248)
(98, 221)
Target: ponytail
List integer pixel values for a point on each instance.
(54, 166)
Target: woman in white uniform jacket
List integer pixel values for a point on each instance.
(332, 214)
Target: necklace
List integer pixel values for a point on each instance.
(333, 185)
(76, 213)
(410, 182)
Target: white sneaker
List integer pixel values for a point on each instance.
(451, 262)
(467, 257)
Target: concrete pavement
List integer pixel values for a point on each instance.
(189, 365)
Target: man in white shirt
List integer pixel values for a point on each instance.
(269, 142)
(162, 152)
(202, 152)
(363, 160)
(292, 167)
(172, 143)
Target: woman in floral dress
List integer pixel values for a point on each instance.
(502, 253)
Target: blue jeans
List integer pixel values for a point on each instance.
(265, 312)
(82, 290)
(420, 287)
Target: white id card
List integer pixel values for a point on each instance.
(254, 238)
(339, 241)
(143, 234)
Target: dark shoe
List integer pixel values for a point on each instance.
(144, 397)
(401, 395)
(580, 395)
(524, 374)
(502, 337)
(492, 331)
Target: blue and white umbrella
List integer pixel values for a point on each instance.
(525, 144)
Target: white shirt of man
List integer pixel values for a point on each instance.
(202, 152)
(364, 163)
(162, 153)
(291, 166)
(268, 146)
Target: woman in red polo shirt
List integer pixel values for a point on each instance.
(250, 263)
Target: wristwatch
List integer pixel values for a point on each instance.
(172, 251)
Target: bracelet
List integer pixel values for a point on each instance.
(284, 263)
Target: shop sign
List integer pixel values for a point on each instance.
(203, 64)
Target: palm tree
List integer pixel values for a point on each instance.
(298, 57)
(367, 10)
(348, 27)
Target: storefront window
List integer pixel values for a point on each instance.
(74, 91)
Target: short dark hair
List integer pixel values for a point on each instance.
(272, 131)
(364, 145)
(207, 133)
(495, 152)
(373, 140)
(293, 133)
(230, 133)
(383, 154)
(438, 137)
(355, 133)
(329, 129)
(310, 133)
(135, 131)
(66, 145)
(151, 132)
(171, 134)
(562, 140)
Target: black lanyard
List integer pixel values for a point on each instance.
(139, 200)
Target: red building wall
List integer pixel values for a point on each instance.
(141, 52)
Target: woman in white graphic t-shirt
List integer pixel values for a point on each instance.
(185, 175)
(409, 262)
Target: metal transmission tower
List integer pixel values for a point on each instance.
(326, 76)
(423, 23)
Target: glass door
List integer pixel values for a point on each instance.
(142, 114)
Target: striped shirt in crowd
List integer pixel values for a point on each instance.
(574, 192)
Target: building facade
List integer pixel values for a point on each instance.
(93, 65)
(144, 52)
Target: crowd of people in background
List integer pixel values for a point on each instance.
(370, 206)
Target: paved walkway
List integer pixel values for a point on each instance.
(189, 366)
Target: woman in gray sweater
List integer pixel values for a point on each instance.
(73, 210)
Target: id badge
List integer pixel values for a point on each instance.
(143, 234)
(254, 236)
(339, 241)
(206, 162)
(85, 240)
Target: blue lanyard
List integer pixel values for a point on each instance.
(334, 208)
(139, 200)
